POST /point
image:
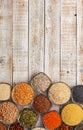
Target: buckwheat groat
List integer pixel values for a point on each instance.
(40, 82)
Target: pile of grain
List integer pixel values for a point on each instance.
(59, 93)
(40, 82)
(41, 104)
(16, 126)
(72, 114)
(46, 95)
(23, 94)
(77, 94)
(4, 91)
(28, 118)
(8, 112)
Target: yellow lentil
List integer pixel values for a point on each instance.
(72, 114)
(23, 94)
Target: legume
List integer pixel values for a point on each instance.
(65, 127)
(23, 94)
(8, 112)
(28, 118)
(52, 120)
(16, 126)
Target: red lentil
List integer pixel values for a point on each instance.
(23, 94)
(52, 120)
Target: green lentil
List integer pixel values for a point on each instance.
(28, 118)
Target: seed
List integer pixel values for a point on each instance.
(4, 91)
(65, 127)
(28, 118)
(77, 93)
(8, 112)
(72, 114)
(59, 93)
(23, 94)
(40, 82)
(52, 120)
(16, 126)
(41, 104)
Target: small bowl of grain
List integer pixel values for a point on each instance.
(22, 94)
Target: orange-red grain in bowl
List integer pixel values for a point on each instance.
(23, 94)
(52, 120)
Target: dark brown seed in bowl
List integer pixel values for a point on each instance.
(65, 127)
(16, 126)
(40, 82)
(41, 104)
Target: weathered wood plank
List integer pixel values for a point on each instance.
(20, 40)
(52, 39)
(36, 39)
(6, 18)
(80, 42)
(36, 36)
(68, 41)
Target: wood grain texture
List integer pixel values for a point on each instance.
(68, 41)
(52, 39)
(41, 35)
(80, 42)
(20, 41)
(36, 40)
(36, 37)
(6, 18)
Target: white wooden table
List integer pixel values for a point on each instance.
(41, 35)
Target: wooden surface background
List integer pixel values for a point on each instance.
(41, 35)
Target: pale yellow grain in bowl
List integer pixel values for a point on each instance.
(5, 90)
(59, 93)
